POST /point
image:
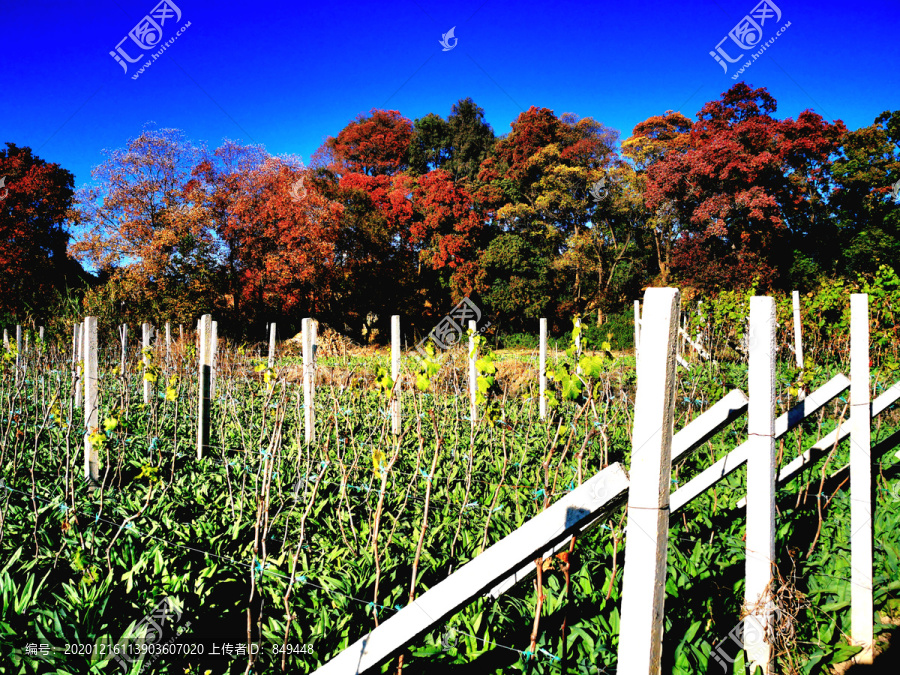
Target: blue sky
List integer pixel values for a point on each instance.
(287, 75)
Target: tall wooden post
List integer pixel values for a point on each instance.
(760, 542)
(213, 358)
(395, 373)
(18, 352)
(168, 348)
(5, 340)
(79, 362)
(542, 370)
(578, 336)
(644, 576)
(473, 373)
(578, 345)
(314, 347)
(145, 350)
(123, 337)
(637, 329)
(699, 337)
(205, 368)
(41, 333)
(861, 603)
(308, 374)
(271, 346)
(798, 330)
(91, 400)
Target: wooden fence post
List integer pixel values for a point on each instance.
(578, 345)
(205, 368)
(861, 603)
(77, 361)
(18, 352)
(213, 358)
(168, 348)
(644, 576)
(308, 374)
(395, 373)
(473, 373)
(578, 337)
(543, 370)
(91, 413)
(313, 348)
(637, 329)
(123, 338)
(271, 346)
(798, 330)
(760, 542)
(145, 350)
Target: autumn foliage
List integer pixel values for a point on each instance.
(552, 218)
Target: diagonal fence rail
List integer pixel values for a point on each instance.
(512, 559)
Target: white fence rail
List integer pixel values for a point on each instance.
(655, 447)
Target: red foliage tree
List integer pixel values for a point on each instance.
(282, 237)
(35, 197)
(373, 145)
(746, 183)
(450, 230)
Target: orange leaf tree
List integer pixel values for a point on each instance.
(147, 231)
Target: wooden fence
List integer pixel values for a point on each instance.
(646, 489)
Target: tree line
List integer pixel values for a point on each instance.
(392, 215)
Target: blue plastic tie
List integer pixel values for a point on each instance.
(552, 656)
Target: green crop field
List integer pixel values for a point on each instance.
(300, 549)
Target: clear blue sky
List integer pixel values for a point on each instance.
(287, 75)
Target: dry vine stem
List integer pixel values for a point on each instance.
(415, 566)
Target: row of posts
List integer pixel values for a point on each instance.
(85, 352)
(21, 337)
(798, 333)
(644, 577)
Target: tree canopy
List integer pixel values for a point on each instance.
(394, 214)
